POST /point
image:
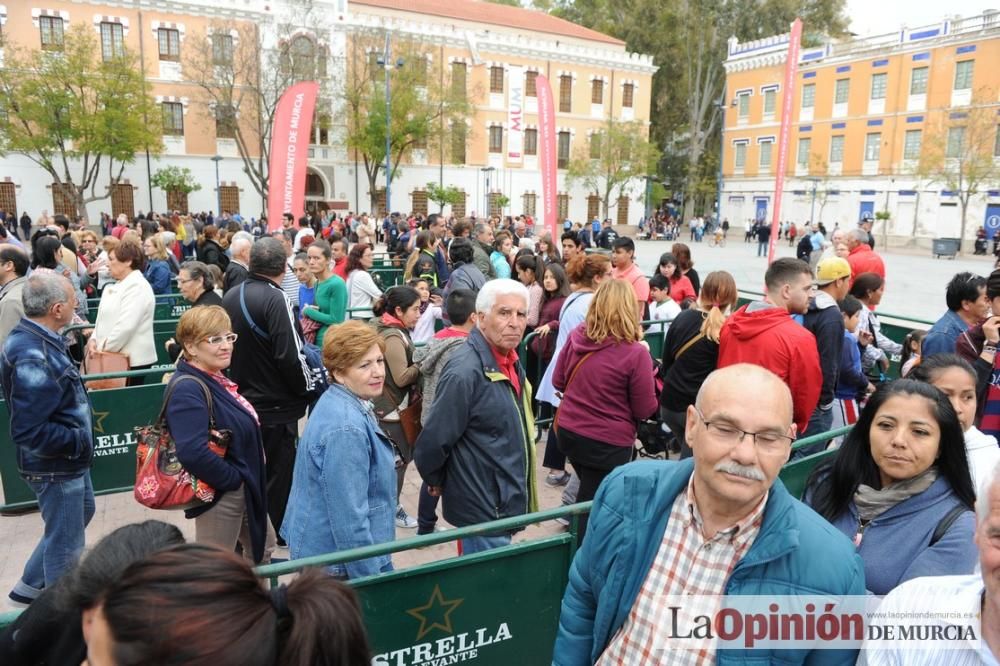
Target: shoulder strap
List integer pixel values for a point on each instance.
(687, 345)
(246, 314)
(946, 522)
(161, 419)
(576, 368)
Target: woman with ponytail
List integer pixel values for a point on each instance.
(691, 350)
(209, 609)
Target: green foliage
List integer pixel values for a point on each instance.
(446, 195)
(625, 154)
(882, 215)
(502, 201)
(73, 113)
(175, 179)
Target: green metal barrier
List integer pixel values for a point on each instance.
(794, 474)
(163, 330)
(168, 306)
(115, 413)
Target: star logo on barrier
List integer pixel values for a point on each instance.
(99, 420)
(436, 614)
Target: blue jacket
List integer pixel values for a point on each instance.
(943, 335)
(896, 545)
(187, 419)
(851, 378)
(796, 552)
(157, 273)
(343, 486)
(50, 414)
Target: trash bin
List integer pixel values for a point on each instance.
(945, 247)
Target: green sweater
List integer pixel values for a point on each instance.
(331, 299)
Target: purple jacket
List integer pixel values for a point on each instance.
(611, 392)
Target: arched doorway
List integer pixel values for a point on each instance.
(315, 192)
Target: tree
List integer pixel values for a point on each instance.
(241, 71)
(959, 153)
(447, 195)
(177, 182)
(423, 105)
(77, 116)
(617, 156)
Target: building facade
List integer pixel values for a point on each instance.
(869, 117)
(593, 77)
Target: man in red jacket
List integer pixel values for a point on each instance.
(764, 333)
(862, 257)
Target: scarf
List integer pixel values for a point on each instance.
(872, 503)
(389, 320)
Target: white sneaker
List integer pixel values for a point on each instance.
(404, 519)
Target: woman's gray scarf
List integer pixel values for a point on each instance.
(872, 503)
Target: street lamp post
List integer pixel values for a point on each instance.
(385, 61)
(812, 206)
(722, 151)
(218, 189)
(488, 171)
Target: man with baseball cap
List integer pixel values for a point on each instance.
(824, 321)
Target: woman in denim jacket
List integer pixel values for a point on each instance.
(344, 484)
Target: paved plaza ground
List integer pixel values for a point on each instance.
(915, 289)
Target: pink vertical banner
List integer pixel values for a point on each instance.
(547, 154)
(787, 109)
(290, 138)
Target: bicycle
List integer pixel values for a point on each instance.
(718, 240)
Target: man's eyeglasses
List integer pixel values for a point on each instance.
(730, 434)
(217, 340)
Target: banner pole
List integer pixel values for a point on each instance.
(787, 104)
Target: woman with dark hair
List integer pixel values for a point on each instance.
(464, 273)
(398, 311)
(875, 346)
(548, 251)
(49, 631)
(46, 256)
(211, 609)
(197, 286)
(330, 306)
(500, 257)
(681, 289)
(683, 255)
(421, 263)
(899, 487)
(555, 289)
(361, 288)
(526, 265)
(209, 250)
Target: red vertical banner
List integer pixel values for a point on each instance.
(547, 154)
(286, 179)
(787, 109)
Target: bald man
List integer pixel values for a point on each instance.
(719, 523)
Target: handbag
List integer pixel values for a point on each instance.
(100, 362)
(310, 327)
(555, 419)
(161, 482)
(409, 418)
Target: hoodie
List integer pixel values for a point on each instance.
(612, 390)
(983, 454)
(764, 334)
(432, 360)
(826, 323)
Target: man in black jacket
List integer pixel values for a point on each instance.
(269, 365)
(824, 321)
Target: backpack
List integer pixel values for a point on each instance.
(804, 248)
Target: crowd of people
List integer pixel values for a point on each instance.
(322, 385)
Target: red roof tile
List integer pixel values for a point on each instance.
(488, 12)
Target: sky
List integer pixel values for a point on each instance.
(874, 17)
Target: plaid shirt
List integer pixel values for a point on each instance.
(685, 564)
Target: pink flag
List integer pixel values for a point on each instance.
(286, 190)
(547, 154)
(787, 103)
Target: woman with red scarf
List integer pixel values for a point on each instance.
(398, 311)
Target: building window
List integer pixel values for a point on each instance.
(173, 118)
(458, 77)
(458, 132)
(565, 93)
(911, 145)
(808, 95)
(529, 84)
(765, 154)
(528, 203)
(530, 142)
(8, 198)
(622, 210)
(170, 44)
(225, 122)
(597, 91)
(229, 195)
(375, 69)
(458, 208)
(744, 105)
(122, 200)
(178, 201)
(419, 206)
(419, 65)
(222, 49)
(770, 100)
(595, 146)
(956, 139)
(837, 149)
(496, 79)
(300, 59)
(918, 81)
(563, 150)
(802, 157)
(873, 145)
(593, 206)
(562, 206)
(493, 204)
(51, 28)
(841, 89)
(963, 74)
(112, 40)
(878, 85)
(322, 133)
(740, 155)
(628, 94)
(496, 139)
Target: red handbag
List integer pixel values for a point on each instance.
(161, 482)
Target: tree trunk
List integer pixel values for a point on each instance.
(964, 202)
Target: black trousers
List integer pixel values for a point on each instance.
(279, 449)
(592, 461)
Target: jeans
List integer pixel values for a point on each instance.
(478, 544)
(426, 511)
(761, 248)
(67, 505)
(820, 421)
